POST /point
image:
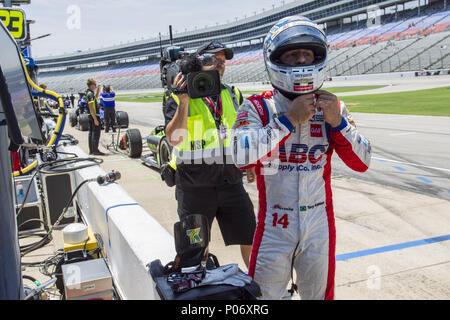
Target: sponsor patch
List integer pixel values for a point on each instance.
(298, 168)
(243, 107)
(302, 81)
(194, 235)
(242, 115)
(365, 143)
(304, 208)
(244, 142)
(279, 207)
(350, 120)
(301, 88)
(317, 117)
(276, 115)
(241, 124)
(316, 130)
(258, 106)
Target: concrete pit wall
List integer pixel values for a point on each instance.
(132, 238)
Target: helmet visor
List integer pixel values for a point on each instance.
(297, 37)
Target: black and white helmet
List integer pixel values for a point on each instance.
(290, 33)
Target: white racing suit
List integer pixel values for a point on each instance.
(293, 165)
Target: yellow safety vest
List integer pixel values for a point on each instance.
(203, 141)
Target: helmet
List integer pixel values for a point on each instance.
(290, 33)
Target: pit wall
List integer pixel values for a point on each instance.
(131, 237)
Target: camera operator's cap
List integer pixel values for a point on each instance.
(215, 46)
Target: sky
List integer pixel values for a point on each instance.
(93, 24)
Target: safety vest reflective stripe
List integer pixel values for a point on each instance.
(94, 101)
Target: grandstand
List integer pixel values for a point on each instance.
(398, 36)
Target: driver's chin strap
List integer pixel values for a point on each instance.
(292, 96)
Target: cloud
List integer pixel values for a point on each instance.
(105, 23)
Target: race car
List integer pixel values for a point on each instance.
(157, 143)
(159, 146)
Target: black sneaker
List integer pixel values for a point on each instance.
(98, 153)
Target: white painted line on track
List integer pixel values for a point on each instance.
(401, 134)
(412, 164)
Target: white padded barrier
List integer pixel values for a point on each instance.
(132, 237)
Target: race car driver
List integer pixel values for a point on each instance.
(289, 135)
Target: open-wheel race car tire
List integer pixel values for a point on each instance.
(122, 119)
(133, 143)
(165, 151)
(83, 120)
(73, 119)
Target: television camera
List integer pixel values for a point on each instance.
(200, 83)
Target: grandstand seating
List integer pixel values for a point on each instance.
(406, 42)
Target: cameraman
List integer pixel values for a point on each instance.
(211, 184)
(108, 97)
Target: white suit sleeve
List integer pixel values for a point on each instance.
(350, 145)
(253, 142)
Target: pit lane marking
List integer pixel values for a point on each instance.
(393, 247)
(411, 164)
(395, 273)
(424, 179)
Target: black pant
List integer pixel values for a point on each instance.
(109, 115)
(94, 134)
(230, 204)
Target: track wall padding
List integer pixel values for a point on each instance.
(132, 238)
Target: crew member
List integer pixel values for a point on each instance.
(42, 99)
(108, 97)
(207, 181)
(289, 135)
(94, 119)
(82, 106)
(72, 100)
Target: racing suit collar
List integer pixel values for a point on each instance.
(281, 99)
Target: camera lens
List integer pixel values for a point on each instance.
(203, 82)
